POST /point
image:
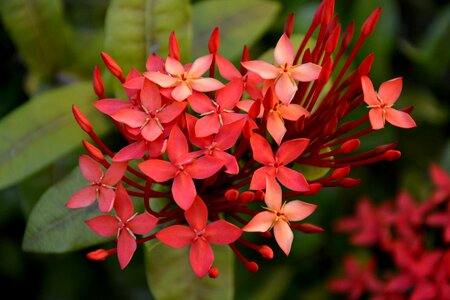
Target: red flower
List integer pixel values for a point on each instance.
(124, 225)
(199, 235)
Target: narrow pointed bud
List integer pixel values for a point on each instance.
(314, 188)
(333, 40)
(340, 173)
(93, 151)
(266, 252)
(232, 195)
(98, 255)
(366, 65)
(245, 54)
(97, 83)
(213, 273)
(308, 228)
(349, 182)
(350, 146)
(289, 26)
(82, 121)
(328, 11)
(371, 22)
(318, 15)
(213, 44)
(247, 196)
(174, 50)
(348, 34)
(392, 155)
(112, 66)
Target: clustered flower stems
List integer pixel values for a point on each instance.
(407, 244)
(211, 147)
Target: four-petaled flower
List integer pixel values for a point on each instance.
(278, 215)
(102, 184)
(199, 235)
(285, 73)
(124, 225)
(381, 103)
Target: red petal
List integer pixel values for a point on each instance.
(262, 152)
(131, 117)
(290, 150)
(115, 173)
(261, 222)
(150, 96)
(221, 232)
(122, 204)
(399, 118)
(197, 214)
(177, 145)
(106, 199)
(133, 151)
(207, 125)
(126, 246)
(283, 236)
(200, 103)
(143, 223)
(298, 210)
(151, 131)
(370, 97)
(171, 111)
(105, 225)
(83, 198)
(204, 167)
(389, 91)
(228, 134)
(90, 169)
(176, 236)
(110, 106)
(228, 160)
(259, 177)
(201, 257)
(226, 68)
(284, 51)
(293, 180)
(183, 190)
(158, 170)
(228, 96)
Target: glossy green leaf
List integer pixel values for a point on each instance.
(54, 228)
(170, 276)
(136, 28)
(44, 129)
(39, 31)
(240, 23)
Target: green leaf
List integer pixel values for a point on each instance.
(44, 129)
(54, 228)
(136, 28)
(39, 31)
(240, 23)
(170, 276)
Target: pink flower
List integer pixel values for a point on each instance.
(102, 184)
(184, 80)
(279, 215)
(285, 73)
(199, 235)
(381, 103)
(275, 165)
(124, 225)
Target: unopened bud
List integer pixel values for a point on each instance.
(349, 182)
(174, 50)
(213, 273)
(314, 188)
(112, 66)
(309, 228)
(247, 196)
(82, 121)
(366, 65)
(350, 146)
(333, 40)
(348, 35)
(252, 267)
(213, 44)
(98, 255)
(93, 151)
(340, 172)
(371, 22)
(289, 26)
(232, 194)
(259, 195)
(97, 83)
(266, 251)
(392, 155)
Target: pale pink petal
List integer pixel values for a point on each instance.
(110, 106)
(283, 236)
(259, 177)
(106, 199)
(204, 167)
(201, 257)
(226, 68)
(376, 118)
(399, 118)
(290, 150)
(173, 66)
(261, 222)
(105, 225)
(131, 117)
(197, 214)
(370, 96)
(262, 68)
(151, 131)
(150, 96)
(298, 210)
(126, 246)
(293, 180)
(228, 96)
(143, 223)
(206, 84)
(274, 194)
(285, 88)
(284, 51)
(90, 169)
(228, 134)
(222, 232)
(115, 173)
(176, 236)
(262, 152)
(181, 91)
(207, 125)
(389, 91)
(200, 66)
(161, 79)
(306, 72)
(275, 126)
(135, 150)
(171, 111)
(158, 170)
(83, 198)
(123, 204)
(177, 145)
(183, 190)
(292, 112)
(201, 103)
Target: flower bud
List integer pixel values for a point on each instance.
(82, 121)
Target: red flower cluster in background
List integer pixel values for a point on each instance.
(213, 149)
(408, 242)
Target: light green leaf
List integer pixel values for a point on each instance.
(44, 129)
(136, 28)
(54, 228)
(170, 276)
(39, 32)
(240, 23)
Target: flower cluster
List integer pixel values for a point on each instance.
(224, 148)
(408, 240)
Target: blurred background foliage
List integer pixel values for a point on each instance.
(48, 51)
